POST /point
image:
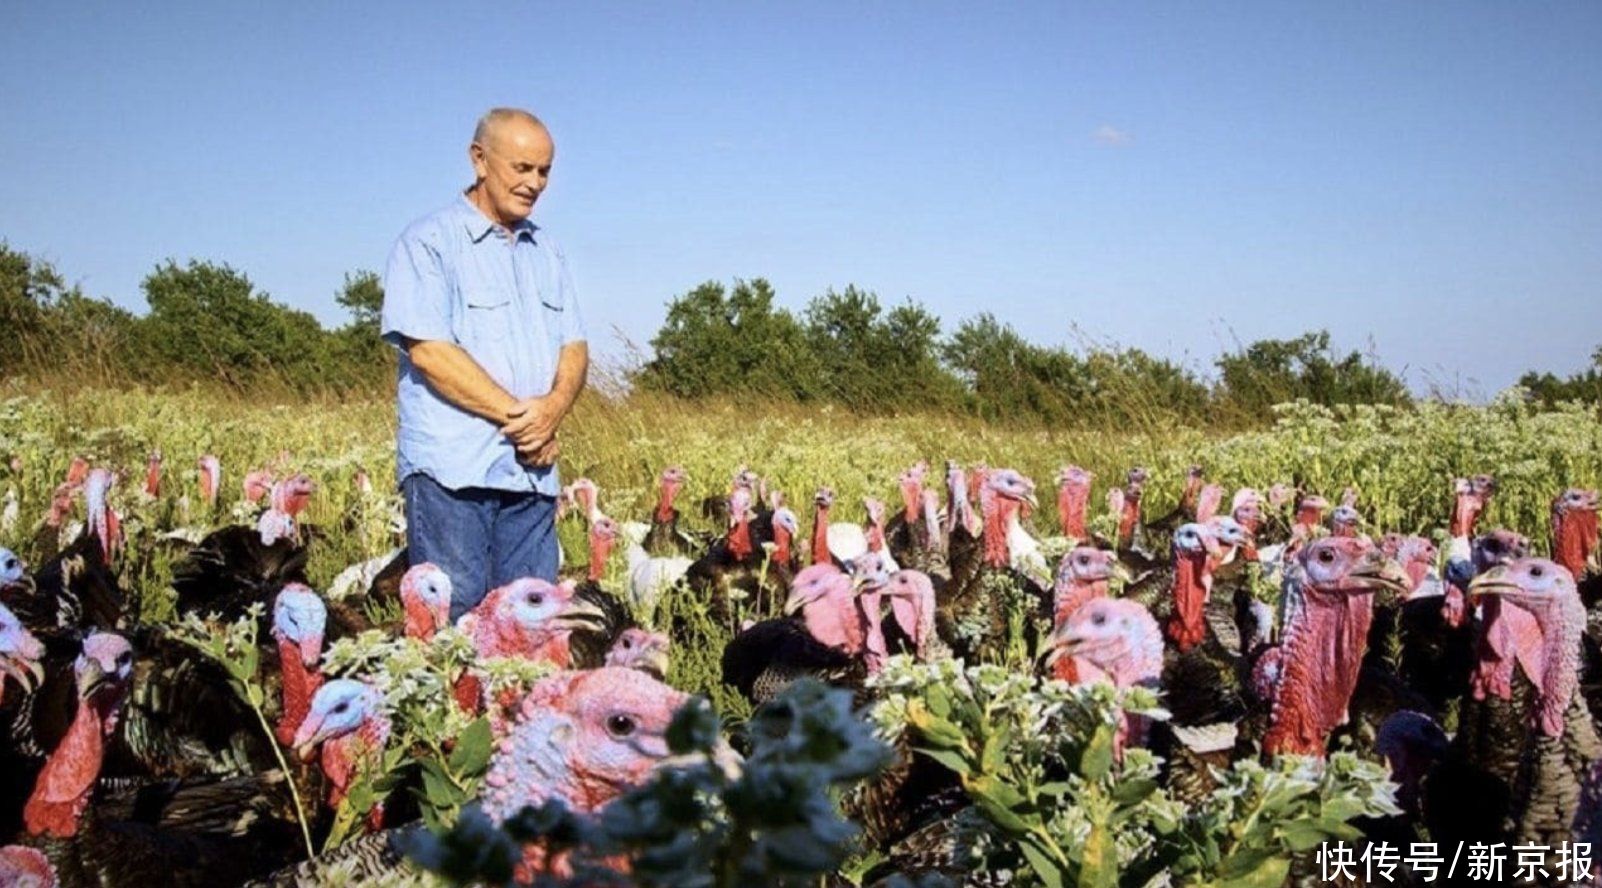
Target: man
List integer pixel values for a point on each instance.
(479, 302)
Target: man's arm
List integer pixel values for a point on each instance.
(531, 423)
(452, 372)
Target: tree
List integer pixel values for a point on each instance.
(1271, 371)
(29, 289)
(208, 319)
(363, 296)
(716, 341)
(1549, 389)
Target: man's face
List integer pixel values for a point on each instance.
(512, 165)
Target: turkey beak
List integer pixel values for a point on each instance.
(655, 661)
(92, 679)
(311, 650)
(580, 614)
(1120, 572)
(307, 737)
(1030, 499)
(1493, 582)
(1386, 573)
(795, 603)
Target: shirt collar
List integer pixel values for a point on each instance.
(479, 226)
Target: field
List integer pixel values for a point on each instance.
(1401, 462)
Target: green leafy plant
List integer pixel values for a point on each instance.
(1060, 806)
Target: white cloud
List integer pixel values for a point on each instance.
(1107, 134)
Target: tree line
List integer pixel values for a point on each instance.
(208, 322)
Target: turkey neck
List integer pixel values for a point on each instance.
(781, 545)
(1323, 652)
(1575, 538)
(664, 505)
(820, 536)
(1510, 636)
(601, 548)
(1561, 623)
(1192, 582)
(1071, 501)
(1466, 513)
(996, 512)
(912, 501)
(1128, 519)
(420, 622)
(342, 756)
(67, 780)
(1074, 596)
(300, 682)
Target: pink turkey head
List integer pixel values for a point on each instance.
(824, 597)
(582, 737)
(1546, 590)
(641, 649)
(529, 618)
(1110, 639)
(425, 593)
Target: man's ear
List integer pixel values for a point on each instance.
(480, 160)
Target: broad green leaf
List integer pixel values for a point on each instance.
(949, 758)
(1097, 759)
(472, 753)
(1133, 792)
(1047, 869)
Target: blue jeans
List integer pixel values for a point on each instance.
(481, 538)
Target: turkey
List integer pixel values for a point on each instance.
(582, 737)
(641, 649)
(665, 537)
(733, 568)
(1112, 641)
(1325, 634)
(527, 618)
(974, 606)
(1083, 574)
(1560, 742)
(346, 721)
(197, 831)
(1073, 498)
(823, 634)
(905, 533)
(234, 568)
(72, 592)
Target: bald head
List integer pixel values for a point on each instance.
(498, 120)
(511, 154)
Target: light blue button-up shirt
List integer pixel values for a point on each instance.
(507, 300)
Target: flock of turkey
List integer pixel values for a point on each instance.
(130, 760)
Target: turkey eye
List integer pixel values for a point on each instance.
(1536, 572)
(340, 709)
(124, 658)
(536, 599)
(1326, 556)
(627, 644)
(620, 726)
(1098, 619)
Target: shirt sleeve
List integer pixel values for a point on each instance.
(572, 317)
(416, 297)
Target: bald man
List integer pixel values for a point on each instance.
(480, 304)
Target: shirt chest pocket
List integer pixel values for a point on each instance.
(486, 320)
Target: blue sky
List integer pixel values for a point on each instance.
(1423, 176)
